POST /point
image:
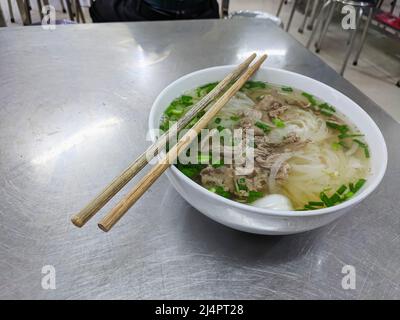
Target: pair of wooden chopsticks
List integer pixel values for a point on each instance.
(118, 183)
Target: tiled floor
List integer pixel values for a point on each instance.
(379, 65)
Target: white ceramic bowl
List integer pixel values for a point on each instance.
(264, 221)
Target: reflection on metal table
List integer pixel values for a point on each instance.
(73, 114)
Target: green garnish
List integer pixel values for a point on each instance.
(255, 84)
(217, 120)
(364, 146)
(359, 184)
(241, 184)
(235, 118)
(316, 203)
(336, 146)
(205, 89)
(338, 197)
(326, 113)
(287, 89)
(345, 135)
(325, 199)
(220, 128)
(263, 126)
(218, 164)
(310, 98)
(325, 106)
(254, 195)
(341, 189)
(190, 170)
(342, 128)
(221, 191)
(278, 122)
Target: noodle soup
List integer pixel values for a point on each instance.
(306, 154)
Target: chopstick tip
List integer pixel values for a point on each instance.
(78, 222)
(102, 227)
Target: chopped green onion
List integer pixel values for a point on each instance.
(235, 118)
(287, 89)
(217, 120)
(263, 126)
(310, 98)
(341, 189)
(345, 135)
(255, 84)
(221, 191)
(359, 184)
(278, 122)
(364, 146)
(254, 195)
(342, 128)
(327, 107)
(326, 113)
(220, 128)
(325, 199)
(336, 146)
(316, 203)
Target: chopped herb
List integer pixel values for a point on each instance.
(217, 120)
(190, 170)
(221, 191)
(359, 184)
(254, 195)
(325, 106)
(310, 98)
(218, 164)
(287, 89)
(345, 135)
(336, 146)
(235, 118)
(341, 189)
(241, 184)
(315, 203)
(263, 126)
(325, 199)
(255, 84)
(364, 146)
(278, 122)
(348, 195)
(205, 89)
(326, 113)
(220, 128)
(341, 128)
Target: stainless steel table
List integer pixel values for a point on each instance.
(74, 104)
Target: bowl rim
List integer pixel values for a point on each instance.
(365, 192)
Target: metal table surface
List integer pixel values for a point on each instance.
(74, 104)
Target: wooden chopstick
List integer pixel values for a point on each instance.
(119, 182)
(122, 207)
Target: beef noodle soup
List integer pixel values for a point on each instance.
(306, 154)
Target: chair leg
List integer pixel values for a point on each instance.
(39, 4)
(280, 8)
(63, 6)
(291, 15)
(318, 22)
(325, 27)
(2, 19)
(308, 4)
(364, 36)
(316, 8)
(350, 47)
(80, 11)
(23, 8)
(10, 9)
(69, 10)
